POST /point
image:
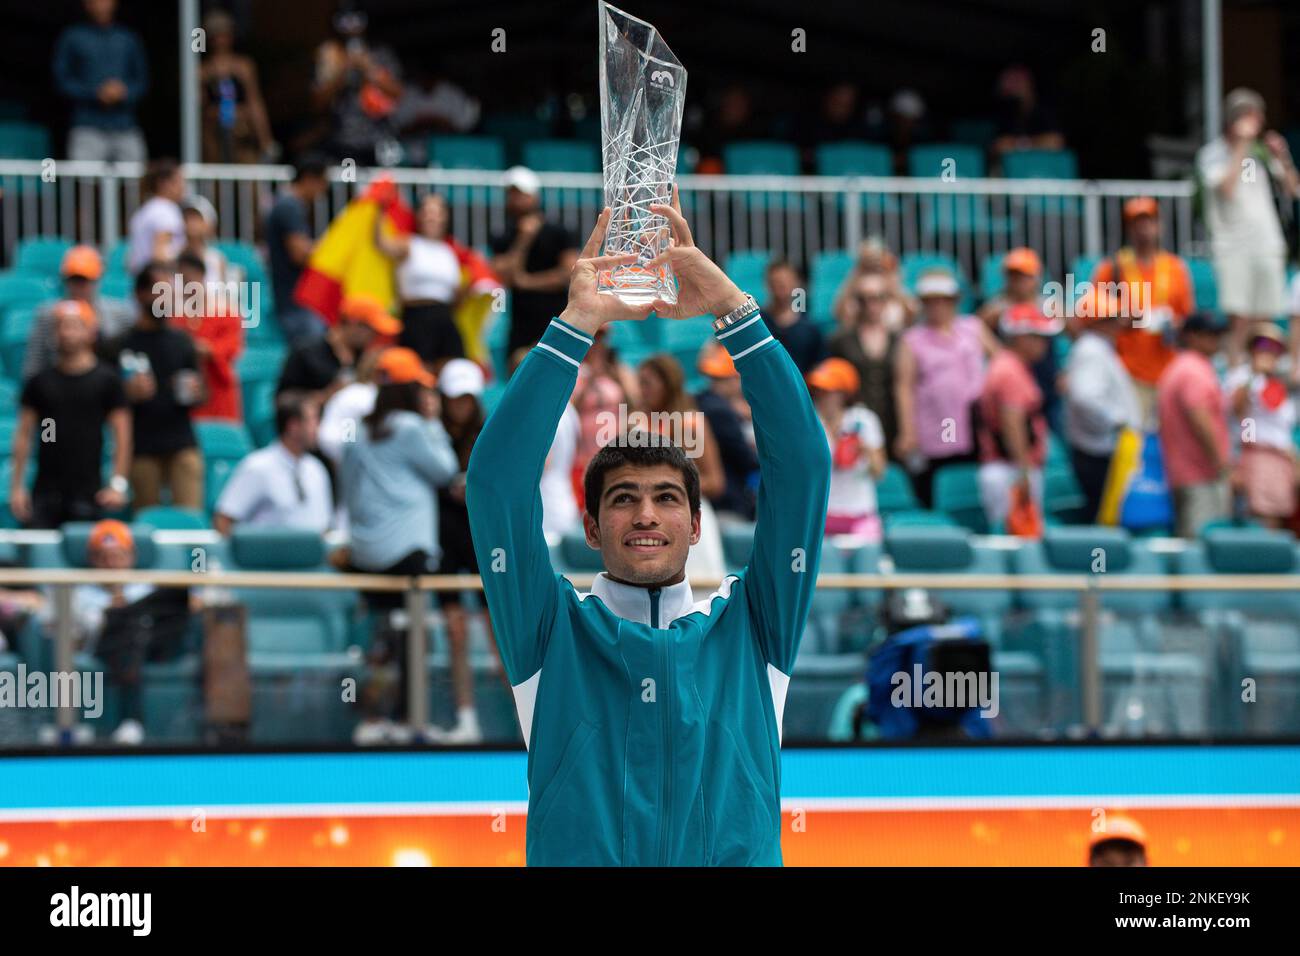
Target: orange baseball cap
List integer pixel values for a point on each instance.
(83, 262)
(398, 365)
(1023, 260)
(835, 375)
(715, 362)
(76, 308)
(363, 307)
(110, 530)
(1119, 827)
(1140, 206)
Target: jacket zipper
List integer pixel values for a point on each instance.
(666, 654)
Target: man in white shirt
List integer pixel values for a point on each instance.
(1100, 400)
(1239, 170)
(282, 485)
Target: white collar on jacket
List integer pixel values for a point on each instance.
(632, 603)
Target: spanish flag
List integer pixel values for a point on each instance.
(347, 261)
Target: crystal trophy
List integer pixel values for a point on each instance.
(642, 89)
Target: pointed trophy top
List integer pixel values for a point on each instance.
(620, 26)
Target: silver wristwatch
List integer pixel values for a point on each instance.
(119, 484)
(742, 311)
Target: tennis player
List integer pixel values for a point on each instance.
(652, 715)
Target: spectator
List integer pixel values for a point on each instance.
(68, 405)
(732, 121)
(1012, 415)
(428, 282)
(358, 85)
(200, 219)
(163, 384)
(1194, 428)
(838, 118)
(1120, 842)
(604, 383)
(1267, 470)
(1024, 121)
(1146, 348)
(282, 485)
(431, 104)
(218, 338)
(461, 384)
(81, 270)
(102, 68)
(728, 414)
(667, 405)
(289, 245)
(125, 625)
(156, 230)
(874, 259)
(1024, 286)
(938, 375)
(390, 475)
(325, 365)
(857, 446)
(790, 325)
(534, 259)
(1239, 171)
(871, 347)
(235, 127)
(907, 123)
(1100, 401)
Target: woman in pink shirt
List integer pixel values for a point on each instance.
(939, 374)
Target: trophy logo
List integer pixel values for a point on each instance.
(642, 90)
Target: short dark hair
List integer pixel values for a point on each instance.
(191, 259)
(776, 264)
(289, 407)
(309, 165)
(643, 454)
(150, 274)
(391, 397)
(157, 172)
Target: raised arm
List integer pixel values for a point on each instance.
(793, 458)
(501, 483)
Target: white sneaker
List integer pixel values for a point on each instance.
(399, 733)
(371, 732)
(130, 733)
(466, 730)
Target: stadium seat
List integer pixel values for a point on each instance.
(221, 439)
(944, 213)
(957, 494)
(1083, 268)
(894, 491)
(748, 268)
(830, 270)
(22, 289)
(934, 160)
(1157, 678)
(1063, 499)
(15, 332)
(974, 131)
(466, 152)
(20, 140)
(1204, 285)
(1040, 164)
(562, 156)
(260, 363)
(763, 159)
(514, 130)
(854, 159)
(168, 518)
(115, 261)
(1258, 631)
(41, 256)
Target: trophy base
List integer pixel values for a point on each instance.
(641, 296)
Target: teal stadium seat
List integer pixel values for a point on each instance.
(858, 159)
(563, 156)
(41, 256)
(1204, 285)
(1045, 164)
(830, 270)
(15, 332)
(169, 518)
(943, 213)
(894, 491)
(1158, 676)
(748, 268)
(20, 140)
(515, 130)
(467, 152)
(1258, 630)
(758, 158)
(957, 494)
(297, 639)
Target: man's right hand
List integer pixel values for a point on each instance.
(140, 387)
(703, 288)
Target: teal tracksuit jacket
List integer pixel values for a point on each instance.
(652, 717)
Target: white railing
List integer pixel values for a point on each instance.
(796, 217)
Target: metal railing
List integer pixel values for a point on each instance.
(796, 217)
(1090, 589)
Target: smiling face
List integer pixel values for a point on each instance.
(645, 527)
